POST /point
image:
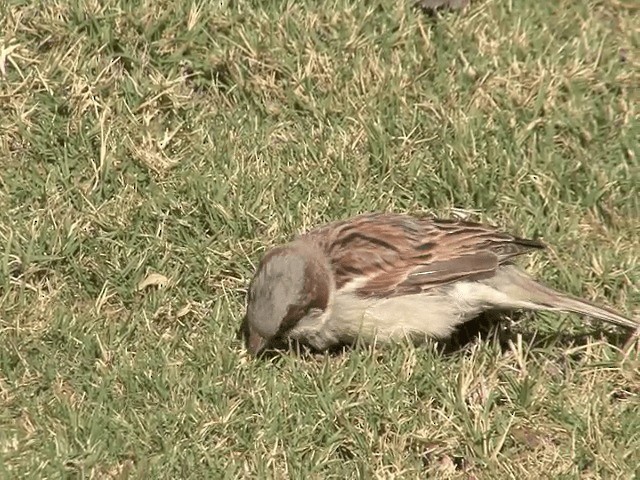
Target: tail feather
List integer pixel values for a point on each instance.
(583, 307)
(528, 293)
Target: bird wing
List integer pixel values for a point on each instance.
(386, 255)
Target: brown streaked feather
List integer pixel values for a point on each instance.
(401, 255)
(474, 266)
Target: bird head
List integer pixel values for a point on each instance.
(290, 283)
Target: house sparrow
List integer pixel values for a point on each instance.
(384, 277)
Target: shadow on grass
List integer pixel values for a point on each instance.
(493, 325)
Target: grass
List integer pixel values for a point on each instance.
(177, 141)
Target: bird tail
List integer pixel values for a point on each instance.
(530, 294)
(568, 303)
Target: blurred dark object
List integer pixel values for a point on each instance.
(432, 6)
(623, 54)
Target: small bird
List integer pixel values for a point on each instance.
(383, 277)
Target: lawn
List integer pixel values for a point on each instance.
(151, 151)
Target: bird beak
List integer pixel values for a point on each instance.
(255, 343)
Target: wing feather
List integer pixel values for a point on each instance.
(394, 254)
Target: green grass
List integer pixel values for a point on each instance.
(186, 138)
